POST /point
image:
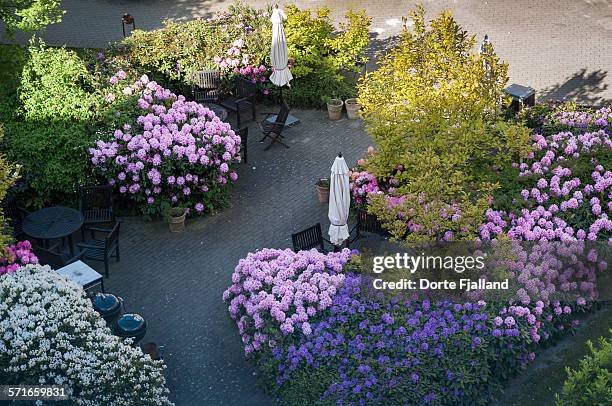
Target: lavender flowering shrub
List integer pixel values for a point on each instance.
(278, 291)
(367, 350)
(320, 335)
(166, 151)
(549, 226)
(564, 190)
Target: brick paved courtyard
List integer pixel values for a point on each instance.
(176, 280)
(562, 48)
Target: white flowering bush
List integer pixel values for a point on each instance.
(50, 334)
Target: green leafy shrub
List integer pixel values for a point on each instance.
(29, 15)
(48, 130)
(431, 108)
(179, 49)
(56, 85)
(311, 89)
(591, 383)
(54, 160)
(320, 54)
(12, 59)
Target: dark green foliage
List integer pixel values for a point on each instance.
(54, 159)
(52, 101)
(591, 383)
(309, 89)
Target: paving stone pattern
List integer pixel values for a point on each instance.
(176, 280)
(562, 48)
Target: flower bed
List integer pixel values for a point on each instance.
(564, 190)
(15, 256)
(560, 191)
(168, 151)
(237, 41)
(279, 290)
(53, 336)
(319, 335)
(391, 353)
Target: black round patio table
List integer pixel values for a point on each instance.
(53, 222)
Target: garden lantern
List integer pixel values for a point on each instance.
(127, 19)
(521, 95)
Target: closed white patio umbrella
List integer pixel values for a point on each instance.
(279, 58)
(339, 201)
(279, 55)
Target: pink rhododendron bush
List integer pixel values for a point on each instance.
(51, 335)
(166, 151)
(278, 291)
(566, 191)
(16, 256)
(551, 282)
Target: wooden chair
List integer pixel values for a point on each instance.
(269, 128)
(53, 256)
(367, 223)
(102, 249)
(206, 86)
(241, 99)
(15, 215)
(244, 143)
(310, 238)
(96, 205)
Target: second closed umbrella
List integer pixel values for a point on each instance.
(339, 201)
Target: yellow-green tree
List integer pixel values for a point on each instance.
(8, 175)
(431, 109)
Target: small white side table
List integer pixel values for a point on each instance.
(82, 274)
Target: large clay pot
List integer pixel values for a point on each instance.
(176, 221)
(352, 108)
(334, 109)
(323, 192)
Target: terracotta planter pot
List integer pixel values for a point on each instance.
(176, 223)
(323, 192)
(334, 109)
(352, 108)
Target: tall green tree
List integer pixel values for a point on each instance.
(29, 15)
(431, 108)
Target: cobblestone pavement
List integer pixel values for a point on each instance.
(176, 280)
(562, 48)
